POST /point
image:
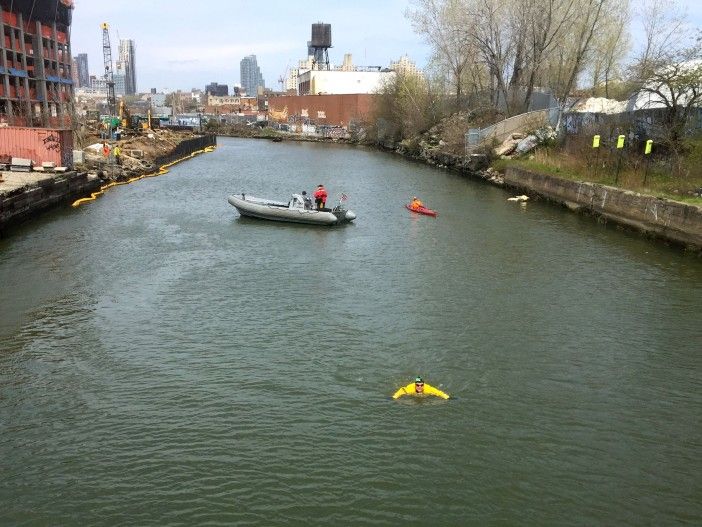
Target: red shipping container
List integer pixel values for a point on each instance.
(38, 144)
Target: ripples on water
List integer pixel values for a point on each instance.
(167, 362)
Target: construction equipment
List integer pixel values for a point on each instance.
(109, 79)
(283, 79)
(126, 119)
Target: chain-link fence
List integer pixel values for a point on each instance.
(500, 131)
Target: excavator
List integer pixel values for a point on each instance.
(135, 123)
(126, 119)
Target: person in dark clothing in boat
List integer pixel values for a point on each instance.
(307, 200)
(320, 197)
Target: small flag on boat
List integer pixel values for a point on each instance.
(344, 197)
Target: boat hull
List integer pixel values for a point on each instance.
(279, 211)
(422, 210)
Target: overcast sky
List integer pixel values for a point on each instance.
(187, 44)
(184, 44)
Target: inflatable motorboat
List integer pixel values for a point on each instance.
(295, 210)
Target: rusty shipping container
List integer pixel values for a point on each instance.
(38, 144)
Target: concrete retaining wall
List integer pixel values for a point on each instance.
(677, 222)
(18, 203)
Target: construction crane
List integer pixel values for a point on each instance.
(284, 78)
(109, 79)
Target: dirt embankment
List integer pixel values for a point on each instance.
(139, 151)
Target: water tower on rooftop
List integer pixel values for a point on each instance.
(318, 46)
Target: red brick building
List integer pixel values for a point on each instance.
(334, 110)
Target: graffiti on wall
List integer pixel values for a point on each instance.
(52, 142)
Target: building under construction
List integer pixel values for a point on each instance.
(36, 89)
(36, 86)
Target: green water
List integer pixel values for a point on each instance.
(165, 362)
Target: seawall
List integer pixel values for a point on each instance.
(673, 221)
(24, 195)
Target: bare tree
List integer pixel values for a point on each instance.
(610, 47)
(573, 56)
(547, 23)
(408, 104)
(667, 73)
(663, 23)
(491, 32)
(676, 85)
(439, 22)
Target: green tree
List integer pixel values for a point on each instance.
(407, 105)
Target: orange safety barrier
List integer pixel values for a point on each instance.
(163, 169)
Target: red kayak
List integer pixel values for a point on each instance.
(422, 210)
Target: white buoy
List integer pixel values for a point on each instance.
(518, 198)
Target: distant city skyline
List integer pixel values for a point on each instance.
(182, 47)
(191, 47)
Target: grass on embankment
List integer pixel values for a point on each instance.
(664, 178)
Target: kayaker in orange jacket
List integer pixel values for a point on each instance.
(320, 197)
(416, 203)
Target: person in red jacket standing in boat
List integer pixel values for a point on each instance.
(320, 197)
(416, 203)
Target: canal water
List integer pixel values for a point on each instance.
(165, 362)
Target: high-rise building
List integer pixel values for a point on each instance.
(82, 67)
(98, 83)
(74, 72)
(126, 63)
(119, 77)
(405, 66)
(251, 77)
(218, 90)
(36, 88)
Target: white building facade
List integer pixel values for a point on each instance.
(335, 82)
